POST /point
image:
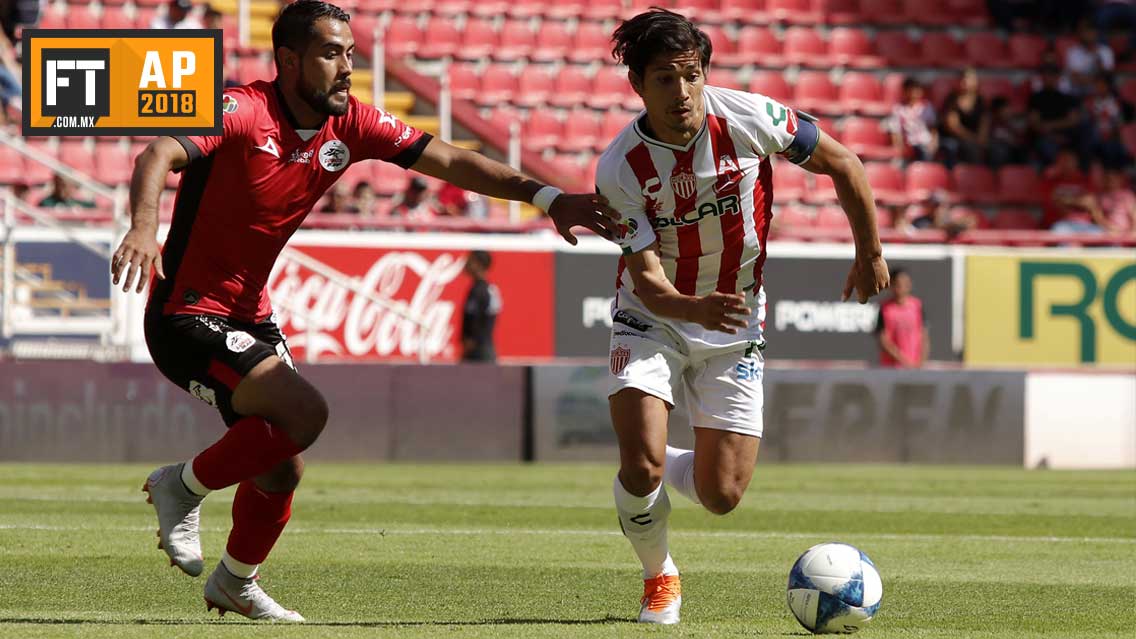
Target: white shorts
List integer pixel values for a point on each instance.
(721, 386)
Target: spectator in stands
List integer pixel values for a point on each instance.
(935, 214)
(1118, 202)
(1106, 118)
(413, 203)
(17, 14)
(1012, 15)
(1070, 206)
(901, 326)
(966, 124)
(1007, 134)
(179, 15)
(1118, 16)
(9, 78)
(479, 315)
(1054, 116)
(339, 200)
(63, 195)
(1086, 59)
(453, 201)
(912, 123)
(366, 201)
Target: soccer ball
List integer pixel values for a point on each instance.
(834, 588)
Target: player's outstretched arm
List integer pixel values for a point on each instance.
(869, 274)
(717, 311)
(139, 250)
(475, 172)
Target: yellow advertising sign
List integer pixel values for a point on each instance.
(1050, 310)
(122, 82)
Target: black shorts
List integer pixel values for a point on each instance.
(207, 355)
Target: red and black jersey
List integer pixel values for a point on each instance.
(246, 191)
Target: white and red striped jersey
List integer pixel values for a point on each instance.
(705, 206)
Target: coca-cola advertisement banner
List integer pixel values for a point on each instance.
(369, 303)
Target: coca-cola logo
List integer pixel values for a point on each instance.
(394, 309)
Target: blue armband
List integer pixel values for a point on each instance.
(804, 142)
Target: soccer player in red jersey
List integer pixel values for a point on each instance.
(693, 179)
(209, 324)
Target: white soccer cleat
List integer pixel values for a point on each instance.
(179, 515)
(229, 593)
(662, 598)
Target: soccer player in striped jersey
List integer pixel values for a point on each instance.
(692, 179)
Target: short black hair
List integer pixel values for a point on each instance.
(481, 258)
(897, 271)
(911, 82)
(658, 32)
(296, 23)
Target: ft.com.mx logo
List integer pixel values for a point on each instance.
(76, 86)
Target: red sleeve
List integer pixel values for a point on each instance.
(238, 108)
(382, 136)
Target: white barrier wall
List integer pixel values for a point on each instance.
(1080, 420)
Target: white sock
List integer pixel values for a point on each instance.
(679, 472)
(644, 522)
(238, 568)
(191, 482)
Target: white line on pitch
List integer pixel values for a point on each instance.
(711, 534)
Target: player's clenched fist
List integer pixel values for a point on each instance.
(136, 255)
(721, 312)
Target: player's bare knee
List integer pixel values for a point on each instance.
(721, 500)
(641, 478)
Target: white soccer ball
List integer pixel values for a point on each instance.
(834, 589)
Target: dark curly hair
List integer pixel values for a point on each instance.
(658, 32)
(296, 23)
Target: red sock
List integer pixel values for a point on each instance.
(249, 449)
(258, 520)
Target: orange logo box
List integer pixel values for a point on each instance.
(122, 82)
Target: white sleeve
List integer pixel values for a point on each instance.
(612, 182)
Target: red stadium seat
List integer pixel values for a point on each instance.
(744, 11)
(1127, 89)
(255, 67)
(480, 8)
(700, 11)
(832, 217)
(789, 183)
(867, 139)
(581, 132)
(927, 13)
(75, 154)
(898, 49)
(727, 79)
(542, 131)
(975, 183)
(893, 87)
(503, 117)
(792, 217)
(1128, 134)
(528, 8)
(613, 122)
(517, 41)
(479, 40)
(941, 88)
(803, 45)
(1001, 86)
(815, 92)
(603, 9)
(758, 45)
(498, 84)
(115, 164)
(553, 43)
(771, 84)
(36, 173)
(882, 11)
(1026, 50)
(792, 11)
(1019, 185)
(402, 37)
(822, 192)
(725, 49)
(535, 87)
(80, 18)
(116, 18)
(986, 49)
(852, 47)
(838, 11)
(972, 13)
(464, 81)
(573, 86)
(941, 49)
(592, 42)
(864, 94)
(11, 165)
(887, 183)
(387, 178)
(565, 9)
(610, 88)
(441, 40)
(1014, 219)
(925, 178)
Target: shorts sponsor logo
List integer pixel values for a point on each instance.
(625, 318)
(620, 356)
(203, 392)
(746, 370)
(239, 341)
(334, 155)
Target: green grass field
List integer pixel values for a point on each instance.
(534, 551)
